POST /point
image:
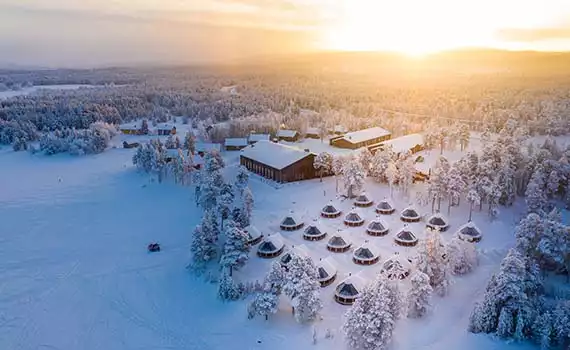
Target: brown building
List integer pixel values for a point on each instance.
(235, 144)
(279, 162)
(313, 133)
(165, 129)
(361, 138)
(288, 135)
(412, 143)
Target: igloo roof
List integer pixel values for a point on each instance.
(300, 250)
(397, 262)
(410, 213)
(330, 209)
(338, 240)
(469, 229)
(363, 198)
(327, 268)
(252, 232)
(291, 220)
(353, 217)
(406, 235)
(377, 225)
(366, 251)
(437, 220)
(313, 230)
(385, 205)
(351, 286)
(271, 243)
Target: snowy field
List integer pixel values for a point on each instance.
(38, 89)
(76, 273)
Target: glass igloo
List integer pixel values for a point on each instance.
(271, 246)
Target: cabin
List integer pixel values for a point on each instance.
(412, 143)
(326, 270)
(165, 129)
(313, 133)
(278, 162)
(349, 290)
(339, 130)
(288, 135)
(131, 128)
(204, 147)
(235, 144)
(361, 138)
(253, 138)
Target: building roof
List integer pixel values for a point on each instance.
(300, 250)
(385, 204)
(397, 263)
(363, 199)
(326, 268)
(365, 135)
(469, 229)
(406, 235)
(338, 240)
(438, 219)
(351, 286)
(353, 216)
(330, 208)
(165, 126)
(275, 155)
(252, 232)
(131, 126)
(377, 225)
(271, 243)
(236, 142)
(410, 212)
(258, 137)
(208, 147)
(313, 131)
(287, 133)
(367, 251)
(314, 230)
(404, 143)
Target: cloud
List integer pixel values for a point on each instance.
(529, 35)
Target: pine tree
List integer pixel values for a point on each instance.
(264, 304)
(364, 157)
(190, 142)
(236, 249)
(474, 199)
(170, 143)
(303, 287)
(438, 182)
(242, 179)
(203, 249)
(247, 209)
(419, 297)
(392, 176)
(380, 162)
(227, 289)
(432, 261)
(225, 202)
(455, 186)
(323, 163)
(462, 256)
(464, 137)
(353, 176)
(144, 127)
(406, 172)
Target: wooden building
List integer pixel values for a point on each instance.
(235, 144)
(165, 129)
(313, 133)
(361, 138)
(278, 162)
(412, 143)
(288, 135)
(203, 147)
(131, 128)
(253, 138)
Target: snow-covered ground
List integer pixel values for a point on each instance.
(35, 89)
(75, 273)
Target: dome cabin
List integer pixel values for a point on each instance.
(326, 271)
(314, 232)
(254, 235)
(406, 237)
(338, 243)
(410, 214)
(291, 223)
(366, 254)
(438, 222)
(349, 290)
(377, 227)
(363, 201)
(330, 211)
(385, 207)
(470, 232)
(353, 219)
(300, 250)
(397, 267)
(271, 246)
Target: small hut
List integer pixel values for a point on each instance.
(363, 201)
(353, 219)
(366, 254)
(397, 267)
(377, 227)
(338, 243)
(385, 207)
(438, 222)
(330, 211)
(314, 232)
(349, 290)
(300, 250)
(271, 246)
(410, 214)
(406, 237)
(469, 232)
(291, 223)
(254, 235)
(326, 271)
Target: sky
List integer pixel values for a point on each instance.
(88, 33)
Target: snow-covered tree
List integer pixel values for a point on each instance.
(464, 137)
(380, 163)
(392, 176)
(473, 199)
(432, 261)
(227, 289)
(406, 172)
(170, 143)
(190, 142)
(303, 287)
(225, 202)
(462, 256)
(323, 163)
(247, 205)
(144, 127)
(419, 296)
(19, 144)
(264, 304)
(535, 194)
(338, 167)
(353, 177)
(364, 156)
(242, 179)
(236, 249)
(455, 186)
(203, 247)
(438, 183)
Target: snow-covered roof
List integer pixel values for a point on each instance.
(363, 199)
(299, 250)
(165, 126)
(469, 229)
(338, 240)
(314, 230)
(131, 126)
(258, 137)
(404, 143)
(365, 135)
(275, 155)
(397, 262)
(197, 160)
(313, 131)
(330, 209)
(353, 216)
(385, 204)
(271, 243)
(340, 128)
(291, 220)
(208, 147)
(406, 235)
(236, 142)
(286, 133)
(252, 232)
(327, 268)
(438, 220)
(410, 212)
(351, 286)
(377, 225)
(367, 251)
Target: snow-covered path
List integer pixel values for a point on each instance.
(75, 273)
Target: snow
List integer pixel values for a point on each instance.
(208, 147)
(403, 144)
(258, 137)
(38, 89)
(131, 126)
(313, 131)
(286, 133)
(365, 135)
(236, 142)
(318, 146)
(76, 273)
(164, 126)
(329, 265)
(275, 155)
